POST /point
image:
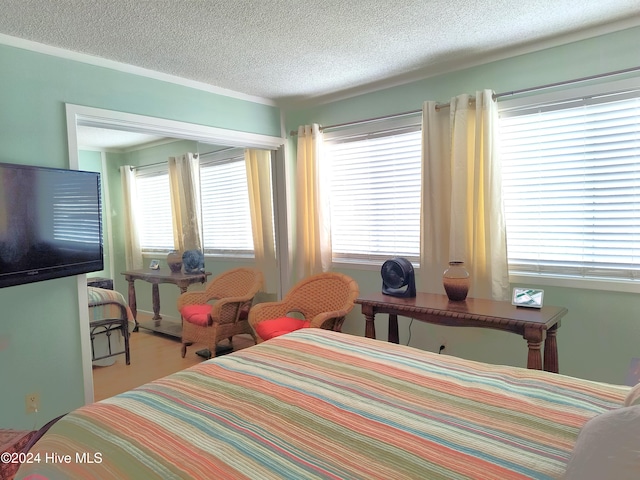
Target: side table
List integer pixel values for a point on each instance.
(535, 325)
(156, 277)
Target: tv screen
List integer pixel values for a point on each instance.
(50, 223)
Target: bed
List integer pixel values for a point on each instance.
(110, 323)
(320, 404)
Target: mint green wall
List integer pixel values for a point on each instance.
(39, 332)
(600, 334)
(597, 55)
(39, 335)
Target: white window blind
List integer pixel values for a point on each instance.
(571, 180)
(154, 210)
(226, 218)
(375, 195)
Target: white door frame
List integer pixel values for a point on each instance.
(96, 117)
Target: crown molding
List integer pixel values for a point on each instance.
(126, 68)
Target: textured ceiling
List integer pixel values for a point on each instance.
(315, 50)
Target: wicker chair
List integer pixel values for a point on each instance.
(219, 311)
(323, 300)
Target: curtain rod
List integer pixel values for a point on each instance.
(155, 164)
(293, 133)
(568, 82)
(495, 97)
(148, 165)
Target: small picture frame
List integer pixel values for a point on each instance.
(154, 265)
(527, 297)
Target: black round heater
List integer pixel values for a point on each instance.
(398, 278)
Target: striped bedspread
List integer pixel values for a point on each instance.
(324, 405)
(104, 303)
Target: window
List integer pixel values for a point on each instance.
(571, 181)
(224, 199)
(154, 209)
(375, 193)
(226, 217)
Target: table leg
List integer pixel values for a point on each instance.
(551, 350)
(132, 300)
(393, 328)
(370, 326)
(534, 341)
(125, 333)
(155, 296)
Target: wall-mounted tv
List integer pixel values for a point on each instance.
(50, 223)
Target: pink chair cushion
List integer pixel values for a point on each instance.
(196, 314)
(275, 327)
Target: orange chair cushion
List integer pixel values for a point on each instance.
(196, 314)
(275, 327)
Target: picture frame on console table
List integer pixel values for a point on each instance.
(527, 297)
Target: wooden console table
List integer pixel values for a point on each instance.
(156, 277)
(533, 324)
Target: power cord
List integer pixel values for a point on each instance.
(409, 339)
(442, 347)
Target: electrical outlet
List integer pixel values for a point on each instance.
(32, 402)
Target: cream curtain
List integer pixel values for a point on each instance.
(258, 163)
(132, 250)
(462, 215)
(313, 231)
(184, 181)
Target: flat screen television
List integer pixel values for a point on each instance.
(50, 223)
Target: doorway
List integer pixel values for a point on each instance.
(139, 124)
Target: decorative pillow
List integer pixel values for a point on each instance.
(196, 314)
(607, 447)
(275, 327)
